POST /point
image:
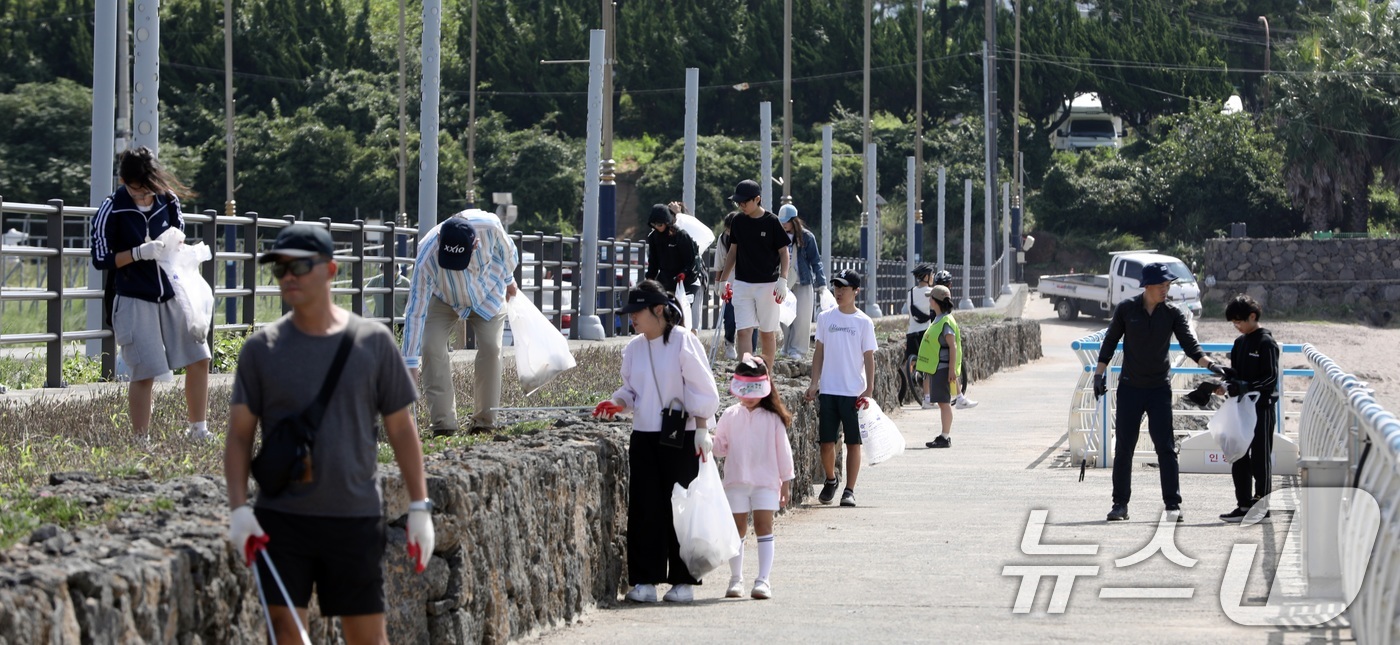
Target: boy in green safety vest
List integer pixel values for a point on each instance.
(940, 355)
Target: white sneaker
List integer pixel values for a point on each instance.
(964, 403)
(927, 405)
(199, 434)
(729, 352)
(642, 593)
(761, 590)
(680, 593)
(736, 589)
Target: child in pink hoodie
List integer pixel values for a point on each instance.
(752, 436)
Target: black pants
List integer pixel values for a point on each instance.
(1157, 404)
(729, 323)
(653, 554)
(1253, 467)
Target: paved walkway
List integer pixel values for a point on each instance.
(921, 559)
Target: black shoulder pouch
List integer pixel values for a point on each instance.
(673, 428)
(287, 448)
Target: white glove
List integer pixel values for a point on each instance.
(704, 445)
(421, 538)
(148, 251)
(781, 289)
(245, 533)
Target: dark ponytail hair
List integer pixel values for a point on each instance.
(772, 403)
(140, 166)
(798, 227)
(670, 314)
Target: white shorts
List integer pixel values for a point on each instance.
(754, 306)
(747, 497)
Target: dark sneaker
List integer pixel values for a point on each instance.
(444, 432)
(1236, 516)
(1119, 513)
(1173, 513)
(828, 491)
(940, 442)
(848, 497)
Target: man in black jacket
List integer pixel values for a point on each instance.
(1254, 368)
(1146, 325)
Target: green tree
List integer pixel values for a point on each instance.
(1337, 109)
(45, 145)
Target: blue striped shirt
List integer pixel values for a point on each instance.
(480, 289)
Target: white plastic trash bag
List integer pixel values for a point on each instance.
(194, 296)
(827, 300)
(683, 299)
(541, 350)
(787, 309)
(697, 231)
(1232, 426)
(880, 438)
(704, 524)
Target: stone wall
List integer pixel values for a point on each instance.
(1292, 276)
(530, 533)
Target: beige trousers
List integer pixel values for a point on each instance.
(437, 367)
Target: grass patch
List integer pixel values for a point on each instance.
(22, 511)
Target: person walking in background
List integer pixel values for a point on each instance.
(1253, 368)
(758, 256)
(920, 313)
(961, 402)
(939, 351)
(150, 327)
(698, 269)
(323, 531)
(670, 252)
(1146, 325)
(752, 437)
(810, 275)
(843, 374)
(664, 368)
(465, 271)
(727, 293)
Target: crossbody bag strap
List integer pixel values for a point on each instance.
(652, 364)
(313, 414)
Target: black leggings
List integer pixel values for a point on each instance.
(653, 554)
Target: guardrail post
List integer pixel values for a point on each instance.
(390, 272)
(250, 270)
(357, 272)
(211, 240)
(53, 376)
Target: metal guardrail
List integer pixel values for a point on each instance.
(1341, 420)
(1091, 420)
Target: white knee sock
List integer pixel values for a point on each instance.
(765, 556)
(736, 566)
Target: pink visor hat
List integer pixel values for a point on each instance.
(750, 387)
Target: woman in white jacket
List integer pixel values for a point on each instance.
(663, 367)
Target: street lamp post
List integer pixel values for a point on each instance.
(787, 102)
(471, 120)
(1268, 47)
(607, 196)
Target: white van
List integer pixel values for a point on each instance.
(1088, 125)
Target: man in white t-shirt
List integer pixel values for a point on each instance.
(843, 372)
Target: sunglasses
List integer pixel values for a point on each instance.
(298, 267)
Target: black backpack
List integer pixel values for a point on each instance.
(914, 311)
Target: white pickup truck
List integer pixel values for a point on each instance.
(1097, 295)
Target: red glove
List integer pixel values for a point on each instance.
(680, 280)
(862, 403)
(728, 292)
(606, 409)
(252, 546)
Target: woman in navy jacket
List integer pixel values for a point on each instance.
(807, 260)
(149, 326)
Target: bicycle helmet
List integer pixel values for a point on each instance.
(944, 278)
(922, 270)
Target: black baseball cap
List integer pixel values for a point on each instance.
(1156, 273)
(846, 278)
(638, 300)
(300, 240)
(746, 190)
(456, 239)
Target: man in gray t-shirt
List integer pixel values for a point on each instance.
(323, 531)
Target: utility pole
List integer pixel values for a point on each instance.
(607, 196)
(1268, 47)
(1016, 192)
(402, 215)
(916, 191)
(990, 111)
(229, 204)
(471, 120)
(787, 102)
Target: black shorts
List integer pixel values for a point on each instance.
(912, 341)
(340, 556)
(837, 415)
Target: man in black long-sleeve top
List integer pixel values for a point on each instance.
(1254, 368)
(1146, 325)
